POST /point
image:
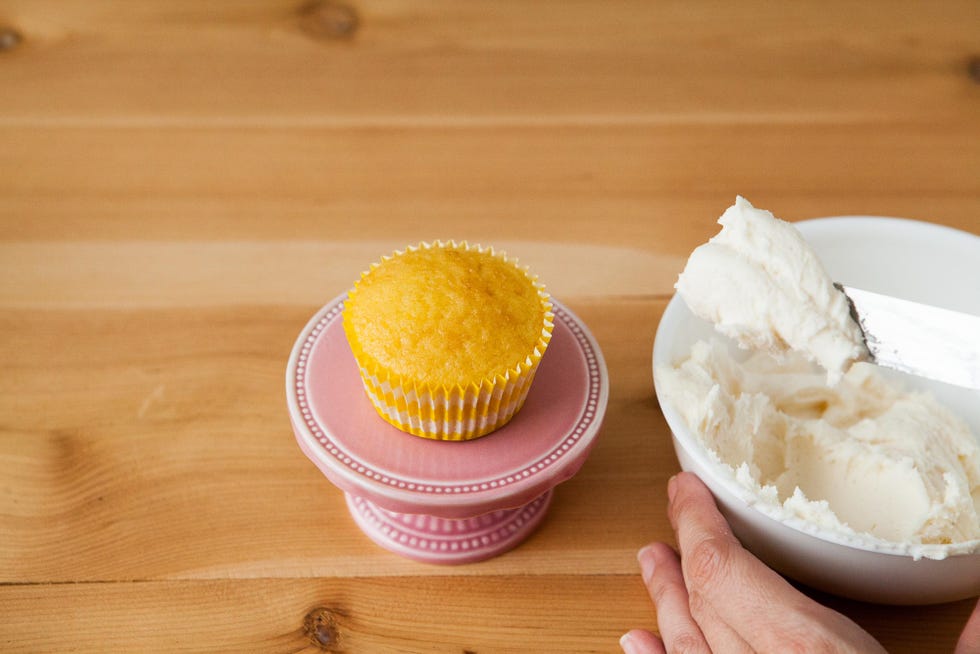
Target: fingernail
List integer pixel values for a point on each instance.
(671, 488)
(628, 643)
(647, 562)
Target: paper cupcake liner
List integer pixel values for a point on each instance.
(455, 413)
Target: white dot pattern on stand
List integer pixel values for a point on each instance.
(446, 534)
(586, 420)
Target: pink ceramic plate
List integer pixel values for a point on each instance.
(446, 502)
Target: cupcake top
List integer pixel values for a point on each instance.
(448, 314)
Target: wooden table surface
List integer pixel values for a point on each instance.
(183, 184)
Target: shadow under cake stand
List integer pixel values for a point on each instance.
(437, 501)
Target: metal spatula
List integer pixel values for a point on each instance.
(917, 338)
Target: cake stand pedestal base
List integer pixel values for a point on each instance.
(432, 539)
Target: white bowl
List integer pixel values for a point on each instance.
(905, 258)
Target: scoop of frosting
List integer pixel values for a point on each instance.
(762, 285)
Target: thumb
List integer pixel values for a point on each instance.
(969, 642)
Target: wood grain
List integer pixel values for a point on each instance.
(182, 184)
(264, 64)
(510, 614)
(657, 188)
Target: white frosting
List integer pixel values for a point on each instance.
(760, 284)
(847, 452)
(863, 458)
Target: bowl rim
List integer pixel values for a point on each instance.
(721, 474)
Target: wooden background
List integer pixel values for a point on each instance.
(183, 183)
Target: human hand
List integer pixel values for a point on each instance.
(717, 597)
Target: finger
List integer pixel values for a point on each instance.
(724, 576)
(969, 642)
(721, 637)
(662, 575)
(641, 641)
(670, 593)
(726, 579)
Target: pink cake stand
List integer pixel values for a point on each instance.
(446, 502)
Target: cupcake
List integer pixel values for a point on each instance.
(447, 338)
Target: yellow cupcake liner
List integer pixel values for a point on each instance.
(459, 412)
(455, 414)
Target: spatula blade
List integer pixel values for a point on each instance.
(917, 338)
